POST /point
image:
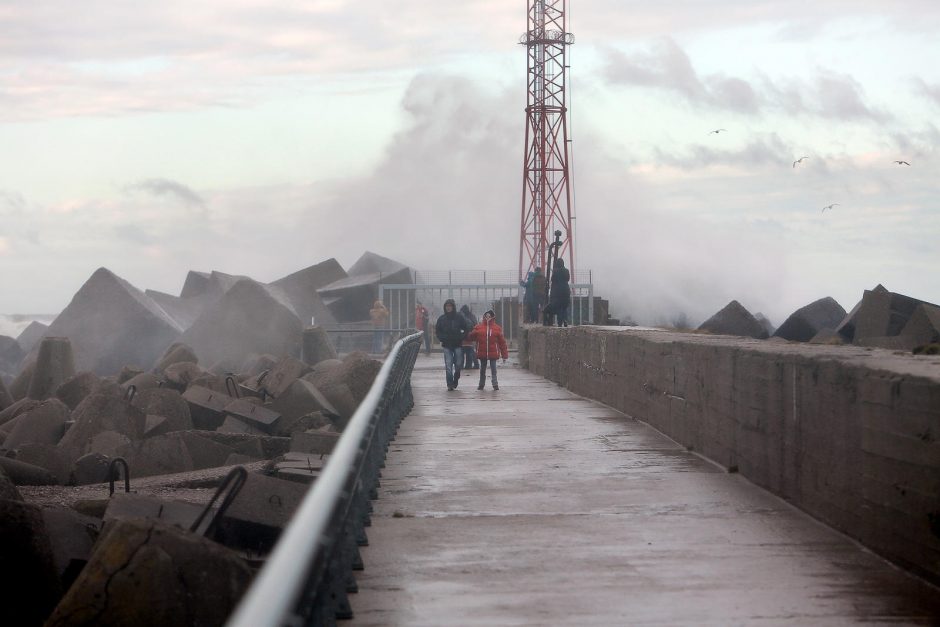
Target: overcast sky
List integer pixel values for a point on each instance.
(258, 137)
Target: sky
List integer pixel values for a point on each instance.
(258, 137)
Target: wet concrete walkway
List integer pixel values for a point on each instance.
(533, 506)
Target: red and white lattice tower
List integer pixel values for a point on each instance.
(546, 195)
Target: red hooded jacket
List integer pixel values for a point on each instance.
(489, 340)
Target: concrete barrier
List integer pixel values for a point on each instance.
(849, 434)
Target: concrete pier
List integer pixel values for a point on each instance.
(534, 506)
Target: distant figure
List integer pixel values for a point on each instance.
(800, 160)
(835, 204)
(902, 163)
(451, 329)
(560, 298)
(422, 318)
(379, 315)
(718, 130)
(469, 353)
(538, 288)
(490, 346)
(528, 298)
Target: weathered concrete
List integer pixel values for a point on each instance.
(54, 366)
(532, 506)
(850, 434)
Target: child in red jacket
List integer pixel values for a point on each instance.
(490, 345)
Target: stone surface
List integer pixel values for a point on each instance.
(179, 451)
(143, 381)
(54, 365)
(181, 375)
(44, 424)
(806, 322)
(8, 489)
(879, 314)
(341, 398)
(17, 408)
(29, 584)
(20, 385)
(734, 319)
(11, 353)
(111, 323)
(257, 416)
(846, 433)
(318, 442)
(532, 506)
(247, 319)
(145, 572)
(73, 390)
(47, 457)
(71, 538)
(6, 399)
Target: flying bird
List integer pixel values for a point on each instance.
(901, 162)
(800, 160)
(835, 204)
(718, 130)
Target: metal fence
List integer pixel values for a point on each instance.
(307, 577)
(505, 299)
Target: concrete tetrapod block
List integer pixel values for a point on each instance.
(11, 353)
(300, 399)
(48, 457)
(21, 473)
(257, 416)
(259, 513)
(55, 364)
(31, 335)
(97, 414)
(8, 489)
(180, 375)
(879, 314)
(20, 385)
(206, 407)
(71, 537)
(301, 289)
(283, 374)
(177, 352)
(111, 323)
(124, 505)
(29, 584)
(924, 326)
(317, 346)
(44, 424)
(247, 319)
(259, 446)
(166, 403)
(6, 399)
(149, 573)
(300, 467)
(89, 469)
(734, 319)
(74, 390)
(320, 442)
(804, 323)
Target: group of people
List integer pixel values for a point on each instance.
(484, 341)
(559, 298)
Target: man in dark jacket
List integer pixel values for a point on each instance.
(451, 329)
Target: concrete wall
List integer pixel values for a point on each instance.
(849, 434)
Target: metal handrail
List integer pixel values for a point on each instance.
(295, 575)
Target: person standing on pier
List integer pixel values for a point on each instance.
(491, 345)
(379, 315)
(451, 329)
(469, 354)
(422, 318)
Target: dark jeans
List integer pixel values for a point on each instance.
(561, 316)
(532, 312)
(377, 342)
(452, 357)
(470, 357)
(492, 371)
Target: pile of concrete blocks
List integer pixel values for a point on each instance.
(806, 323)
(886, 319)
(349, 299)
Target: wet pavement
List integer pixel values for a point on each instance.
(533, 506)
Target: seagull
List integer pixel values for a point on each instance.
(902, 162)
(800, 160)
(835, 204)
(718, 130)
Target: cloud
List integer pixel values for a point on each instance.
(666, 66)
(768, 150)
(167, 187)
(930, 90)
